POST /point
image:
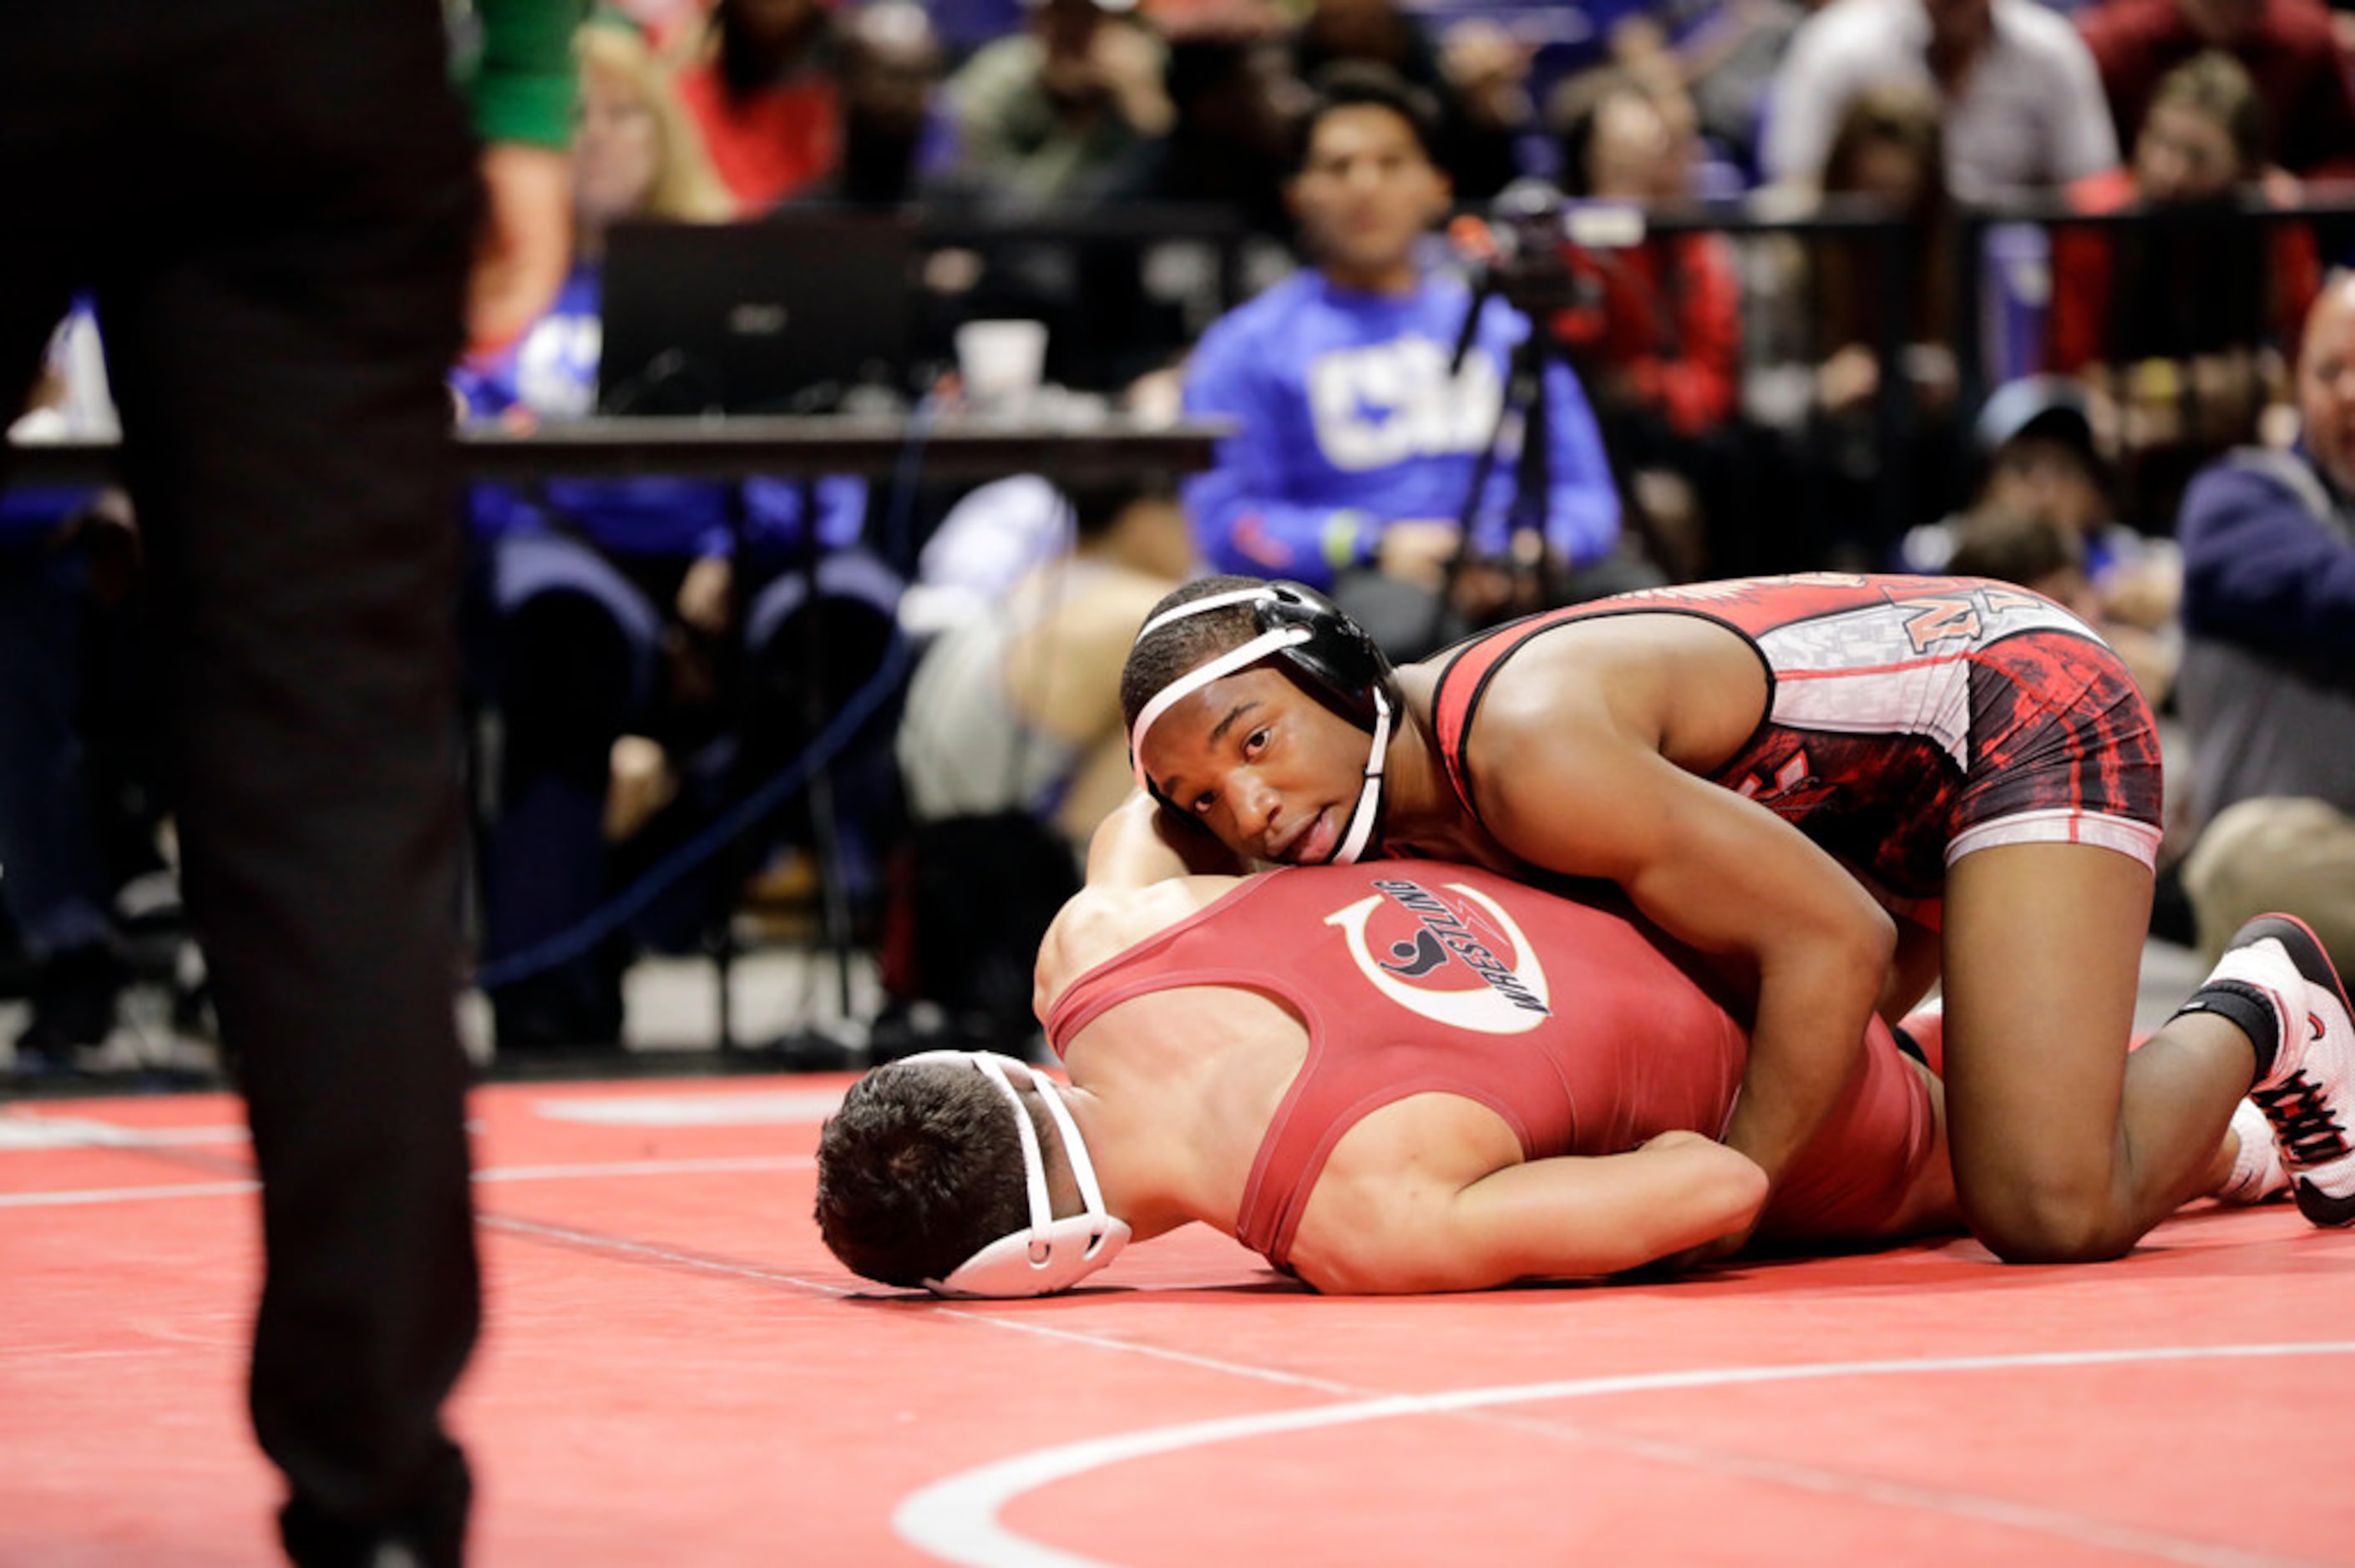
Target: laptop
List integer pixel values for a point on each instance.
(783, 315)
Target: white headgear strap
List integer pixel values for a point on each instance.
(1049, 1254)
(1360, 826)
(1200, 676)
(1370, 799)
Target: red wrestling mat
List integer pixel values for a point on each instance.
(676, 1373)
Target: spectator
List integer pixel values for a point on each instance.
(619, 612)
(1357, 452)
(893, 134)
(1065, 112)
(2017, 99)
(1012, 748)
(2183, 327)
(1729, 61)
(2036, 553)
(1658, 335)
(2043, 469)
(1870, 410)
(67, 559)
(1016, 708)
(2287, 47)
(1235, 98)
(1051, 122)
(762, 87)
(1474, 78)
(2268, 543)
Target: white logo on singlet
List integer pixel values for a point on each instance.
(1424, 971)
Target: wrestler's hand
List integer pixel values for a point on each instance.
(1415, 551)
(525, 244)
(1708, 1251)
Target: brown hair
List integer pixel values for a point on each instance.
(2213, 85)
(685, 186)
(921, 1168)
(2013, 547)
(1848, 301)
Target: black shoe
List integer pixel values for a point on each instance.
(537, 1033)
(559, 1013)
(73, 997)
(432, 1535)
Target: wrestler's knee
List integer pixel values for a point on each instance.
(2044, 1216)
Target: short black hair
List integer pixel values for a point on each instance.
(1154, 662)
(1357, 84)
(921, 1168)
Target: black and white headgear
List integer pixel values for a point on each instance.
(1047, 1254)
(1321, 650)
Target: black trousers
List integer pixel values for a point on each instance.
(273, 203)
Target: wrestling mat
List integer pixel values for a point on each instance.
(676, 1373)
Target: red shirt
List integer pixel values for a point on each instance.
(2196, 269)
(1669, 315)
(2291, 54)
(764, 148)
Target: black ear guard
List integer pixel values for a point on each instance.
(1300, 632)
(1338, 664)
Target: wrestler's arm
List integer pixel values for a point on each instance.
(1564, 1218)
(1579, 793)
(1135, 845)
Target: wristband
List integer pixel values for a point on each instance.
(1344, 540)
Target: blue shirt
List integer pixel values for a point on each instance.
(1350, 422)
(2261, 568)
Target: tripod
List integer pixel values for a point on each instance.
(1536, 291)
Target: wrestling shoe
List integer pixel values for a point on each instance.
(2307, 1091)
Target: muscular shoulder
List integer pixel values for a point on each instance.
(1099, 923)
(1674, 684)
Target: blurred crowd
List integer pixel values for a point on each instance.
(1755, 285)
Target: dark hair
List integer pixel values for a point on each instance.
(1849, 305)
(2013, 548)
(1897, 115)
(1357, 84)
(1176, 648)
(921, 1168)
(1574, 114)
(1098, 505)
(749, 62)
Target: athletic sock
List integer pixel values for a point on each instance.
(2250, 1010)
(2257, 1169)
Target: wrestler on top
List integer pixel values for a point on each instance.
(1840, 789)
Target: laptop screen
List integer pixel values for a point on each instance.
(778, 316)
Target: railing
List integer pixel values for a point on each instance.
(1090, 448)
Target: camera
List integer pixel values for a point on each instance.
(1535, 236)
